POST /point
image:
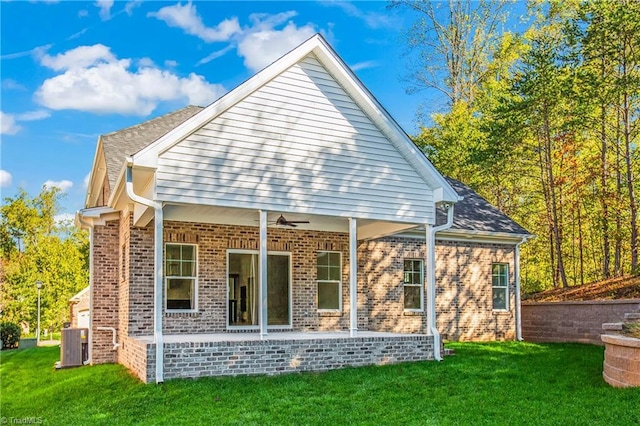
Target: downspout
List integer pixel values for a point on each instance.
(89, 226)
(157, 260)
(516, 266)
(431, 279)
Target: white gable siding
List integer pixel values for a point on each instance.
(298, 144)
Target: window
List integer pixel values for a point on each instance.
(500, 283)
(181, 276)
(413, 284)
(329, 268)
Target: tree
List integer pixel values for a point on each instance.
(453, 42)
(35, 247)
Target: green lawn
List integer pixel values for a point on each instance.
(497, 383)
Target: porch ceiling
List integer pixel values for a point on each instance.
(367, 228)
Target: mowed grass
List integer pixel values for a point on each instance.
(495, 383)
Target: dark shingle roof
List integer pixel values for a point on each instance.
(118, 145)
(474, 213)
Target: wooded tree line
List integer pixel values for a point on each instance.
(36, 247)
(543, 123)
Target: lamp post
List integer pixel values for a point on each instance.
(39, 287)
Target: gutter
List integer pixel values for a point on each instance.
(157, 260)
(84, 224)
(516, 264)
(431, 279)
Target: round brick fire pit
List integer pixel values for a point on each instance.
(621, 360)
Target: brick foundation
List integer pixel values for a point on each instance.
(246, 357)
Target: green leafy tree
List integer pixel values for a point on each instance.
(35, 247)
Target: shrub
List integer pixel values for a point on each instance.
(10, 335)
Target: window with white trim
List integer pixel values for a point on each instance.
(413, 284)
(500, 284)
(329, 276)
(181, 275)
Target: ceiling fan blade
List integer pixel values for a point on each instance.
(298, 221)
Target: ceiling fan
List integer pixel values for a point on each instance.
(282, 221)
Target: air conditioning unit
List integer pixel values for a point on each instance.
(74, 347)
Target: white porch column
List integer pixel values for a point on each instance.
(157, 293)
(516, 267)
(431, 289)
(353, 276)
(262, 275)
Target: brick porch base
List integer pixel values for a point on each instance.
(230, 354)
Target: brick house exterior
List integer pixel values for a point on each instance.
(428, 266)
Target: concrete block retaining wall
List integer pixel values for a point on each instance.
(572, 321)
(230, 358)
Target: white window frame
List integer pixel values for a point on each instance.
(339, 282)
(419, 284)
(505, 287)
(257, 327)
(194, 308)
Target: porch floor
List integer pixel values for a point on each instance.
(272, 336)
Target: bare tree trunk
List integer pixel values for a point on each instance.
(580, 245)
(560, 272)
(617, 257)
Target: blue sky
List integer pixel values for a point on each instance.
(71, 71)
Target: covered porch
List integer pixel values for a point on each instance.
(230, 354)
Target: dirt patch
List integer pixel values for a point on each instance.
(612, 289)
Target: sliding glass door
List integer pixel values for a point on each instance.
(243, 289)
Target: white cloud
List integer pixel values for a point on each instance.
(80, 57)
(5, 179)
(83, 13)
(146, 62)
(96, 81)
(33, 115)
(105, 8)
(364, 65)
(8, 124)
(10, 84)
(85, 181)
(373, 20)
(215, 55)
(262, 47)
(187, 18)
(128, 8)
(169, 63)
(259, 44)
(62, 185)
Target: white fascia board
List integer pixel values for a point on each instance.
(97, 215)
(472, 236)
(92, 192)
(148, 156)
(116, 200)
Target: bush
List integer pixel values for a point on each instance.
(10, 335)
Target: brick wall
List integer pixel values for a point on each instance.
(464, 293)
(213, 242)
(463, 288)
(189, 360)
(133, 354)
(105, 291)
(572, 321)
